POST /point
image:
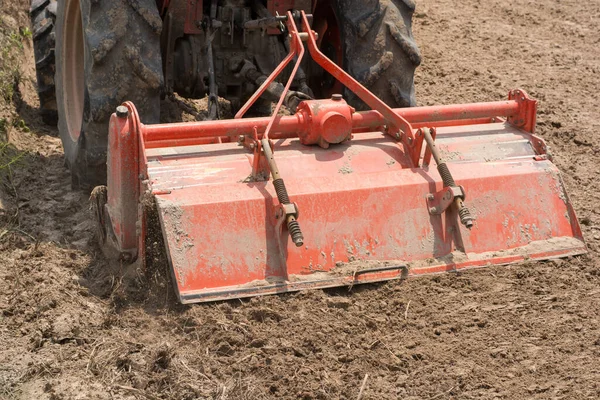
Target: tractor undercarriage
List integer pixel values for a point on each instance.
(227, 52)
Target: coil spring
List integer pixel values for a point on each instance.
(295, 232)
(292, 224)
(465, 217)
(446, 175)
(280, 189)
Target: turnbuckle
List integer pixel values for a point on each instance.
(452, 193)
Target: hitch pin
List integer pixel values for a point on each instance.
(282, 196)
(463, 212)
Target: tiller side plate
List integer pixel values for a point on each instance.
(385, 194)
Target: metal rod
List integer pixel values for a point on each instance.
(213, 98)
(266, 146)
(263, 23)
(360, 120)
(266, 84)
(282, 194)
(298, 49)
(454, 112)
(463, 211)
(433, 147)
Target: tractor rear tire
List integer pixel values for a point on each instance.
(379, 49)
(107, 52)
(43, 23)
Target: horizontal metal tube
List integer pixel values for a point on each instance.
(225, 127)
(195, 141)
(454, 112)
(454, 122)
(288, 126)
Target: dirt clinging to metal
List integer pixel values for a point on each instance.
(74, 326)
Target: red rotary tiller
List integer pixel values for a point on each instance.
(363, 206)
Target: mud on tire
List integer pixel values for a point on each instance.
(379, 48)
(107, 52)
(43, 24)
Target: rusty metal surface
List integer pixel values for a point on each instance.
(123, 177)
(359, 202)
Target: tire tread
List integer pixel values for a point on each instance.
(43, 23)
(380, 50)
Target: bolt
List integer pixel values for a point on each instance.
(398, 135)
(430, 196)
(336, 97)
(433, 210)
(122, 112)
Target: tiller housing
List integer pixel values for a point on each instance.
(251, 206)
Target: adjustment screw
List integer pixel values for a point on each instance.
(122, 112)
(336, 97)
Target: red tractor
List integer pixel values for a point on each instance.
(93, 55)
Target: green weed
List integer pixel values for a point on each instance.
(11, 45)
(26, 33)
(9, 156)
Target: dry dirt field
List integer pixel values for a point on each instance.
(72, 328)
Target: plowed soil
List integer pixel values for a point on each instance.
(74, 327)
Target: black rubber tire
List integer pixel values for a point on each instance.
(43, 23)
(379, 49)
(122, 62)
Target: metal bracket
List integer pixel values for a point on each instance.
(283, 210)
(439, 202)
(526, 117)
(260, 166)
(427, 155)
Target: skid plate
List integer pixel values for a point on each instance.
(363, 212)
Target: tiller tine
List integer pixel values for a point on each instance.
(363, 206)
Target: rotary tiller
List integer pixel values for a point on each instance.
(330, 196)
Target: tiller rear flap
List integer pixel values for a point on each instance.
(330, 197)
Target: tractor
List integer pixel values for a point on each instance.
(93, 55)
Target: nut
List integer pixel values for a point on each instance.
(122, 112)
